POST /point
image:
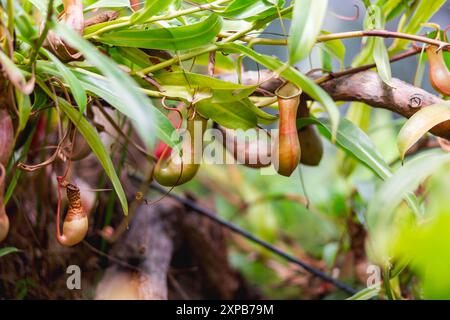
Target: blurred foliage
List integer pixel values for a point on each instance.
(359, 206)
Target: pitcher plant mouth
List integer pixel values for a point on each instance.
(76, 222)
(288, 91)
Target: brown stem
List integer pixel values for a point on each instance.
(101, 17)
(382, 34)
(395, 58)
(402, 98)
(348, 35)
(270, 82)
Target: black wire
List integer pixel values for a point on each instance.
(214, 217)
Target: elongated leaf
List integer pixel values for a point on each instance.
(234, 115)
(391, 8)
(424, 11)
(425, 247)
(307, 18)
(365, 55)
(175, 38)
(325, 58)
(134, 55)
(222, 91)
(17, 172)
(88, 31)
(24, 106)
(381, 57)
(334, 48)
(7, 250)
(296, 77)
(356, 142)
(40, 5)
(263, 117)
(100, 87)
(251, 9)
(390, 194)
(15, 74)
(420, 123)
(365, 294)
(151, 8)
(108, 4)
(24, 23)
(375, 20)
(95, 143)
(75, 87)
(139, 107)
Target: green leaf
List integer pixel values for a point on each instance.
(190, 83)
(15, 74)
(90, 30)
(8, 250)
(380, 211)
(307, 20)
(24, 106)
(234, 114)
(138, 106)
(335, 48)
(24, 24)
(354, 141)
(95, 143)
(365, 294)
(424, 11)
(263, 117)
(108, 4)
(420, 70)
(135, 56)
(425, 247)
(251, 9)
(375, 20)
(151, 8)
(75, 87)
(327, 64)
(391, 8)
(174, 38)
(420, 123)
(381, 57)
(40, 5)
(293, 75)
(365, 55)
(17, 172)
(100, 87)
